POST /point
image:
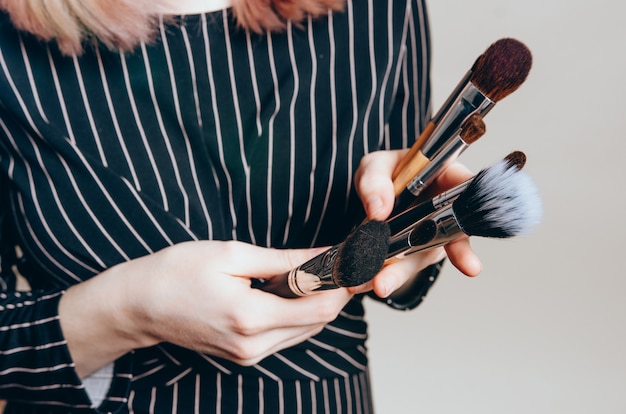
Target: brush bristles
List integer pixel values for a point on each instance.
(502, 68)
(361, 256)
(473, 129)
(501, 201)
(516, 159)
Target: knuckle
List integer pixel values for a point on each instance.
(228, 249)
(327, 311)
(245, 353)
(243, 324)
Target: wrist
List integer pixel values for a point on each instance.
(101, 321)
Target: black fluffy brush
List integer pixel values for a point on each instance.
(350, 263)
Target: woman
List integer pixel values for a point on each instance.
(156, 157)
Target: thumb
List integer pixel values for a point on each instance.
(374, 185)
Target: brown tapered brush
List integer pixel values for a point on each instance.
(495, 74)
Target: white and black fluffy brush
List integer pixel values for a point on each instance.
(499, 202)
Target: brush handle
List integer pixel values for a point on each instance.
(413, 151)
(312, 276)
(278, 285)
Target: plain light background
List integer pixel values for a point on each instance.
(543, 328)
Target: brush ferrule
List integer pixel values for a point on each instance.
(314, 275)
(440, 162)
(447, 197)
(447, 229)
(404, 221)
(399, 244)
(467, 100)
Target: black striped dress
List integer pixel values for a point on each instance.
(211, 132)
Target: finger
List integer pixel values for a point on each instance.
(463, 257)
(374, 185)
(248, 351)
(266, 311)
(455, 174)
(249, 261)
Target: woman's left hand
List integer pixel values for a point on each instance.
(375, 188)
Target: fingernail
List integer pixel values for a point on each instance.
(374, 205)
(389, 288)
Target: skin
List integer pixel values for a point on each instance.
(184, 294)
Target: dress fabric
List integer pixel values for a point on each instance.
(210, 132)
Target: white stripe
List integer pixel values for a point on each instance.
(313, 104)
(270, 150)
(242, 146)
(345, 332)
(255, 86)
(31, 79)
(88, 111)
(190, 153)
(116, 125)
(353, 87)
(333, 157)
(339, 352)
(36, 370)
(175, 397)
(218, 392)
(61, 99)
(324, 363)
(292, 130)
(17, 95)
(149, 372)
(218, 129)
(424, 64)
(239, 391)
(374, 86)
(179, 116)
(142, 132)
(297, 368)
(196, 396)
(178, 377)
(385, 80)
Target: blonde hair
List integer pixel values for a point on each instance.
(126, 23)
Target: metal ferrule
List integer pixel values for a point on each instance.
(447, 197)
(442, 160)
(315, 274)
(399, 244)
(448, 229)
(403, 222)
(466, 101)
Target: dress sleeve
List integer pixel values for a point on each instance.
(35, 364)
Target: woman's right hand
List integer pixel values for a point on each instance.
(197, 295)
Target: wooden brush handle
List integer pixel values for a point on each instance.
(415, 148)
(412, 168)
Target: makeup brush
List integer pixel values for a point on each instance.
(353, 262)
(473, 129)
(406, 219)
(500, 202)
(495, 74)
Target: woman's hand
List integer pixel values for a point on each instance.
(375, 188)
(196, 295)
